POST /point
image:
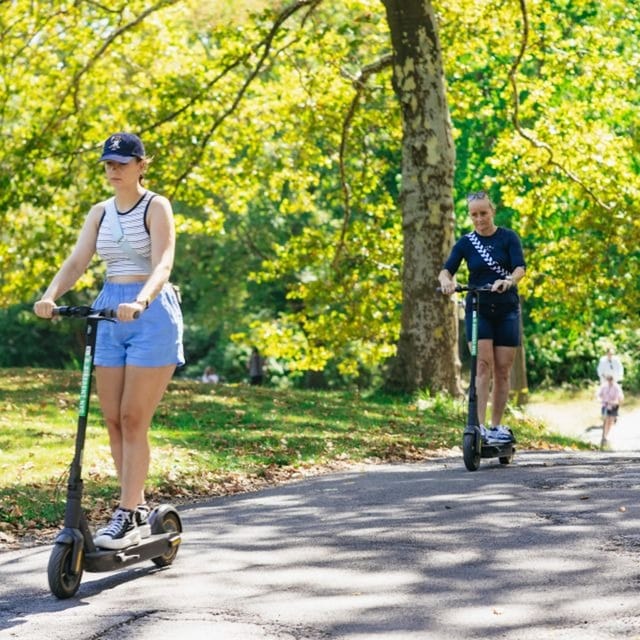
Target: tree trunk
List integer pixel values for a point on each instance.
(519, 385)
(427, 349)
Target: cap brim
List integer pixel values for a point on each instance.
(116, 158)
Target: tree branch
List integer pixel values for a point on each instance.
(74, 85)
(359, 82)
(266, 45)
(538, 144)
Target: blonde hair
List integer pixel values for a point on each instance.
(480, 195)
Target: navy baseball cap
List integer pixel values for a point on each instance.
(122, 147)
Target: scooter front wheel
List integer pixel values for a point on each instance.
(63, 581)
(470, 452)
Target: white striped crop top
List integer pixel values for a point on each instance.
(134, 226)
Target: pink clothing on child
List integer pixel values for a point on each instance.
(610, 393)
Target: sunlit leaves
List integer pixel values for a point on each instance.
(245, 125)
(576, 87)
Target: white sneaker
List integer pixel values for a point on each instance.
(142, 520)
(507, 432)
(120, 533)
(499, 435)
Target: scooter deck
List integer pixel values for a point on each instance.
(494, 450)
(497, 450)
(111, 559)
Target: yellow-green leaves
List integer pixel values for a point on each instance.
(283, 164)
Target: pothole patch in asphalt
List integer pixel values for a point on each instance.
(203, 625)
(629, 543)
(564, 517)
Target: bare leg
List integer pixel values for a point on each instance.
(129, 397)
(503, 361)
(110, 383)
(483, 376)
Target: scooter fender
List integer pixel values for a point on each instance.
(75, 539)
(157, 516)
(474, 430)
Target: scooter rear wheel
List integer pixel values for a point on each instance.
(506, 459)
(470, 452)
(169, 523)
(62, 581)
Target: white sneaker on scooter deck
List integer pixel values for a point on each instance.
(120, 533)
(142, 520)
(500, 435)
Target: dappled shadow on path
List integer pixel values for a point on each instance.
(547, 547)
(434, 549)
(24, 595)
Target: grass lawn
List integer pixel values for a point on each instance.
(212, 440)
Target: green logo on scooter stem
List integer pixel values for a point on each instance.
(86, 378)
(474, 333)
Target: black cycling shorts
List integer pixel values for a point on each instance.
(500, 323)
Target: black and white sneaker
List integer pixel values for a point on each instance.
(500, 435)
(142, 520)
(120, 533)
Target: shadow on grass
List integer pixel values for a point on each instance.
(213, 439)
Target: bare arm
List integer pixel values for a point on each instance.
(517, 275)
(74, 266)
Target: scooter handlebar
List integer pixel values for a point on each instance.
(84, 312)
(468, 287)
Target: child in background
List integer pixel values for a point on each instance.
(611, 396)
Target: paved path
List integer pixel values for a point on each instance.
(546, 548)
(581, 419)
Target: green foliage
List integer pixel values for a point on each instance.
(286, 199)
(246, 185)
(571, 191)
(557, 358)
(28, 341)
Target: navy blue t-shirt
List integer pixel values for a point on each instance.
(506, 250)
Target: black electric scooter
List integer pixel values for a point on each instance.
(74, 549)
(473, 448)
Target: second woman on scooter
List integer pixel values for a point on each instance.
(494, 257)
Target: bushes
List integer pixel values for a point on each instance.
(556, 358)
(28, 341)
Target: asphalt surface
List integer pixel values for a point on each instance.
(548, 547)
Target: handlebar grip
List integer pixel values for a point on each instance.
(458, 288)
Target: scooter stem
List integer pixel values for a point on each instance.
(472, 414)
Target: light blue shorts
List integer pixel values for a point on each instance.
(153, 340)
